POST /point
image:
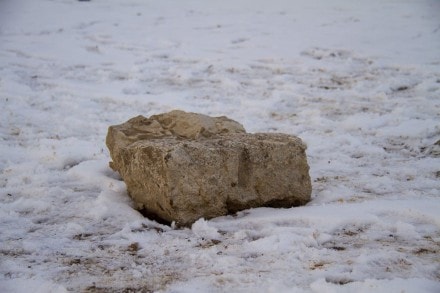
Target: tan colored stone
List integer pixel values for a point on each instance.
(183, 166)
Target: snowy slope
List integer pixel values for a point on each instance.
(358, 81)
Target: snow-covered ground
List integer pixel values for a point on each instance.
(358, 81)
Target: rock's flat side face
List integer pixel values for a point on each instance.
(183, 166)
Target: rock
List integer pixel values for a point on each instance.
(182, 166)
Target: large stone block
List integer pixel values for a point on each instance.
(182, 166)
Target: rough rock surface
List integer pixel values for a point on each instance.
(182, 166)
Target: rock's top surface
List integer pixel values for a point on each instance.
(178, 124)
(182, 166)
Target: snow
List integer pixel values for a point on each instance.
(358, 81)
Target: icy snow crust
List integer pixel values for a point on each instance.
(358, 81)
